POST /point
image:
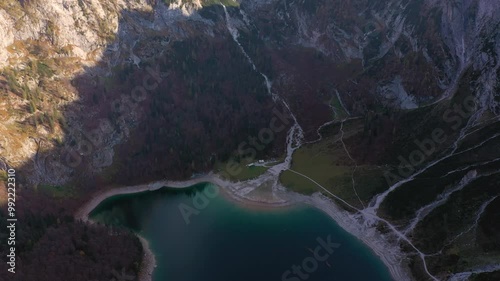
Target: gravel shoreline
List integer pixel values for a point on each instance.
(389, 253)
(148, 263)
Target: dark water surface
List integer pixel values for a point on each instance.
(228, 242)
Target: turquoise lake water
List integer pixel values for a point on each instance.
(224, 241)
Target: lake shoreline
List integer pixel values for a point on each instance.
(148, 262)
(391, 255)
(388, 253)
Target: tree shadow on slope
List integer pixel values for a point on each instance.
(164, 103)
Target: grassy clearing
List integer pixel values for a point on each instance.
(495, 275)
(339, 110)
(228, 3)
(3, 176)
(206, 3)
(246, 172)
(328, 164)
(298, 183)
(58, 191)
(321, 163)
(13, 8)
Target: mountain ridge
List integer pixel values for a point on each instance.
(398, 65)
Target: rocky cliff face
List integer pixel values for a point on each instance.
(76, 28)
(45, 44)
(443, 39)
(71, 69)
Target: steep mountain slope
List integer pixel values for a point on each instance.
(442, 62)
(99, 92)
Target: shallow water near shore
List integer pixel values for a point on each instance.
(225, 241)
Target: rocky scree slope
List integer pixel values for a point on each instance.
(398, 64)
